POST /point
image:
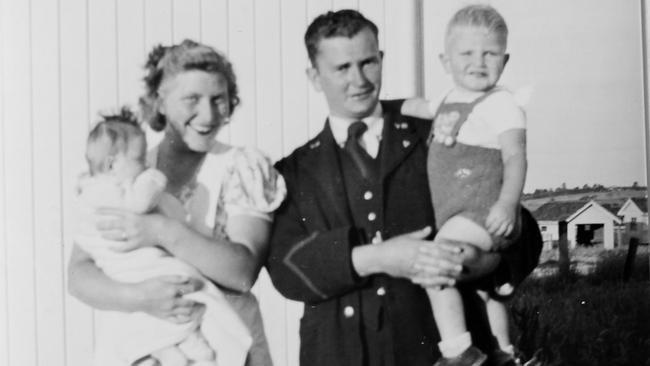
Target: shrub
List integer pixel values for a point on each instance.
(594, 319)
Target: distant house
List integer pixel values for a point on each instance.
(593, 223)
(586, 223)
(634, 214)
(550, 214)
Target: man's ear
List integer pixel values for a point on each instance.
(314, 77)
(506, 57)
(444, 60)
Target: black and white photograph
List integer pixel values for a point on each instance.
(324, 182)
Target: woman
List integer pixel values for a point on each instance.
(228, 195)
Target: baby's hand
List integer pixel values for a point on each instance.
(501, 219)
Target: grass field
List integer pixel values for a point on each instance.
(591, 316)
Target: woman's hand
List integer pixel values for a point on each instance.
(131, 229)
(162, 297)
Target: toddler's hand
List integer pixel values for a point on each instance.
(501, 219)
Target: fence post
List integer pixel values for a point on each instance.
(564, 261)
(629, 260)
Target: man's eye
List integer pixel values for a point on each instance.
(191, 99)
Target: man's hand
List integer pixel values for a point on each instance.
(438, 264)
(410, 256)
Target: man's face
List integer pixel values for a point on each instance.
(348, 72)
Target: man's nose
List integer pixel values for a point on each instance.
(357, 75)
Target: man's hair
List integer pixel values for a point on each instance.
(480, 15)
(343, 23)
(115, 131)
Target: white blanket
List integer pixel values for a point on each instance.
(123, 338)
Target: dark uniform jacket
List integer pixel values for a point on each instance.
(349, 320)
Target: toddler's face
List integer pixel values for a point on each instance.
(475, 57)
(128, 164)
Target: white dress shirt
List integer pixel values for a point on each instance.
(369, 140)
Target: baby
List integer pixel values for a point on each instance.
(476, 167)
(118, 178)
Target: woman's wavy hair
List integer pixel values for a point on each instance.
(166, 61)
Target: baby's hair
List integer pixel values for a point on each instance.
(166, 61)
(480, 15)
(110, 136)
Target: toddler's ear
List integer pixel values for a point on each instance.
(506, 58)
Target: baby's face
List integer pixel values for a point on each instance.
(128, 164)
(475, 57)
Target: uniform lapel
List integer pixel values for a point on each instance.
(398, 140)
(322, 163)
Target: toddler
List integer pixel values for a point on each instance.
(476, 167)
(118, 178)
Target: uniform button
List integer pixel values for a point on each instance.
(381, 291)
(348, 311)
(367, 196)
(372, 216)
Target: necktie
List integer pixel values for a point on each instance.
(362, 160)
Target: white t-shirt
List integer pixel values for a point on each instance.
(498, 113)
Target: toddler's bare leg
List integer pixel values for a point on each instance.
(447, 304)
(497, 313)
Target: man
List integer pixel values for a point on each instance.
(358, 214)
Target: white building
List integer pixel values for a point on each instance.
(592, 224)
(549, 216)
(634, 214)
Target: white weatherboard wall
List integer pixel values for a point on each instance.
(63, 61)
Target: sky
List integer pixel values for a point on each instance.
(583, 61)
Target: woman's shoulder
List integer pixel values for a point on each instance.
(252, 180)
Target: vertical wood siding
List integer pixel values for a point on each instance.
(64, 61)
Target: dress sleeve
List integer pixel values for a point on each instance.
(253, 187)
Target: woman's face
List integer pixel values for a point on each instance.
(196, 106)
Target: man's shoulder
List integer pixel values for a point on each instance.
(392, 111)
(289, 162)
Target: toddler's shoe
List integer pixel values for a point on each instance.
(470, 357)
(501, 358)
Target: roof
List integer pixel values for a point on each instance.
(557, 210)
(642, 203)
(597, 206)
(612, 207)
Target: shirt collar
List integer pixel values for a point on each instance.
(375, 123)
